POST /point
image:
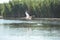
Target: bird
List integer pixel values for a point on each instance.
(28, 17)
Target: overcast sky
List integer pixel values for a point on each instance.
(4, 1)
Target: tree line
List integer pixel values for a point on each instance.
(38, 8)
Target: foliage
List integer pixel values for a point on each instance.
(39, 8)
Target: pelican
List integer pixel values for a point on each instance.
(28, 16)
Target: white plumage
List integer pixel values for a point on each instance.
(28, 16)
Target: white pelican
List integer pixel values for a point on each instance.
(28, 16)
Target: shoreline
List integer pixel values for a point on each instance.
(48, 19)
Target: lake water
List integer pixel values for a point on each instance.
(29, 30)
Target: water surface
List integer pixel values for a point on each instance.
(29, 30)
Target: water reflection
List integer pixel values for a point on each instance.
(29, 30)
(34, 29)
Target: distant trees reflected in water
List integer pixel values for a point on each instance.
(34, 26)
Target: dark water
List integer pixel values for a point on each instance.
(29, 30)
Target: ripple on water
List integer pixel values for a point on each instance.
(28, 33)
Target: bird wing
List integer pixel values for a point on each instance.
(27, 15)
